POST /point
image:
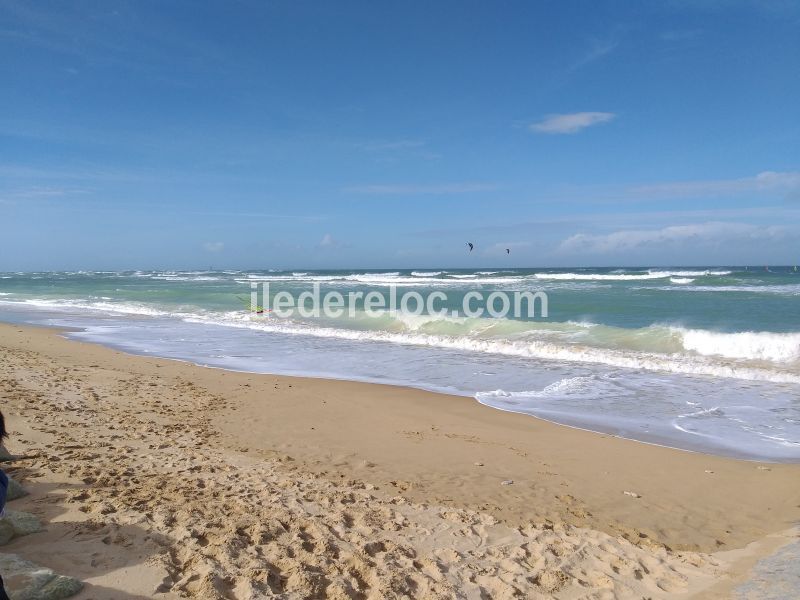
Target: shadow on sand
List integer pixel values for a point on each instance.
(107, 557)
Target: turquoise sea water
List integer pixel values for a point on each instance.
(697, 358)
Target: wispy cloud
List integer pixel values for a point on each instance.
(770, 8)
(598, 50)
(117, 35)
(43, 192)
(679, 35)
(393, 150)
(571, 123)
(15, 171)
(787, 182)
(252, 215)
(328, 242)
(40, 194)
(419, 190)
(214, 246)
(402, 144)
(629, 220)
(702, 234)
(761, 190)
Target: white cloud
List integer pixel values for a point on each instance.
(327, 241)
(571, 123)
(703, 234)
(214, 246)
(415, 190)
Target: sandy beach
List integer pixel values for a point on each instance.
(157, 478)
(366, 301)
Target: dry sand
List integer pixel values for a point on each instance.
(162, 479)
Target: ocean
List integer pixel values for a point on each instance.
(698, 358)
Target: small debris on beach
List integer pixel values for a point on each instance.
(632, 494)
(507, 482)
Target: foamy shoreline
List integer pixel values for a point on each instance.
(730, 407)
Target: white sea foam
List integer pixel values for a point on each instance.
(714, 411)
(598, 276)
(618, 276)
(746, 355)
(562, 386)
(106, 307)
(576, 372)
(253, 277)
(367, 276)
(547, 349)
(705, 273)
(185, 277)
(681, 280)
(426, 273)
(774, 347)
(619, 403)
(386, 279)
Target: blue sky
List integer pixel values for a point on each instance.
(386, 135)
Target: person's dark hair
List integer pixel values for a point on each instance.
(3, 432)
